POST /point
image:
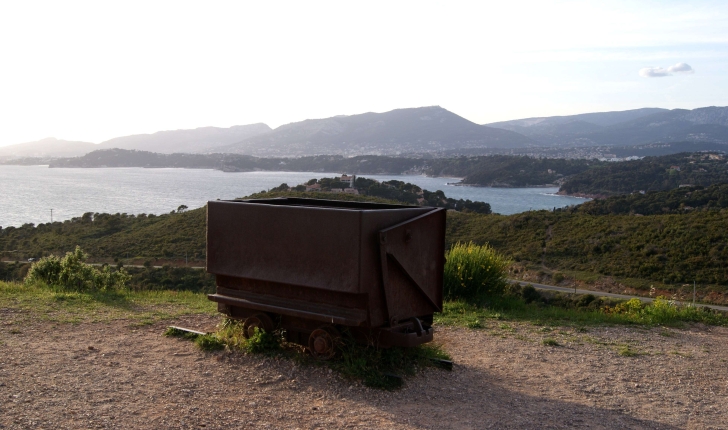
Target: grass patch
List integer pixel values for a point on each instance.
(374, 367)
(44, 303)
(581, 276)
(264, 342)
(209, 342)
(474, 324)
(513, 309)
(626, 351)
(550, 342)
(579, 312)
(206, 342)
(175, 332)
(507, 327)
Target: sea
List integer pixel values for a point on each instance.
(38, 194)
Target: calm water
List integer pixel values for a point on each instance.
(28, 193)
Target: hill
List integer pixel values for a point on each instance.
(198, 140)
(649, 174)
(416, 131)
(678, 200)
(585, 122)
(666, 250)
(633, 127)
(660, 249)
(511, 171)
(243, 163)
(49, 147)
(393, 191)
(497, 170)
(425, 131)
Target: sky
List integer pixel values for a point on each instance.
(91, 71)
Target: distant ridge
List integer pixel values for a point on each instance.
(48, 147)
(632, 127)
(601, 119)
(414, 130)
(423, 131)
(198, 140)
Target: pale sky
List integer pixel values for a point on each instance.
(96, 70)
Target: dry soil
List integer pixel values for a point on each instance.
(121, 375)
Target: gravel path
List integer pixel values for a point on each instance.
(117, 375)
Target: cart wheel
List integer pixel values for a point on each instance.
(322, 342)
(259, 321)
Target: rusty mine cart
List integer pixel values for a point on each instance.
(315, 267)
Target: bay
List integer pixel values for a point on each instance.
(28, 193)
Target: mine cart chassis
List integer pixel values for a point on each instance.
(317, 317)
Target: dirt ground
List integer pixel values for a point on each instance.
(121, 375)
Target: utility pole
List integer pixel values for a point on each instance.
(51, 216)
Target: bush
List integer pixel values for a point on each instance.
(263, 341)
(474, 273)
(663, 311)
(71, 273)
(530, 294)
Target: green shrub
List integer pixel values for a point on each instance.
(474, 273)
(631, 307)
(71, 273)
(263, 341)
(663, 311)
(209, 342)
(530, 294)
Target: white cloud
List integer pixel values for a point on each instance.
(659, 72)
(654, 72)
(681, 68)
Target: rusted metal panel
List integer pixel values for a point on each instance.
(305, 261)
(413, 260)
(300, 245)
(371, 276)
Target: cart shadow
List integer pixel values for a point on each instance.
(473, 398)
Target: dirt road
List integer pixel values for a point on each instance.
(118, 375)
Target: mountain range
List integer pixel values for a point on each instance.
(417, 130)
(48, 147)
(631, 127)
(198, 140)
(424, 130)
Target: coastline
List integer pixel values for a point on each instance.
(460, 184)
(583, 195)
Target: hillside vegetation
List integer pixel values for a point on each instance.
(670, 249)
(678, 200)
(661, 248)
(394, 190)
(490, 170)
(512, 171)
(650, 174)
(116, 236)
(242, 163)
